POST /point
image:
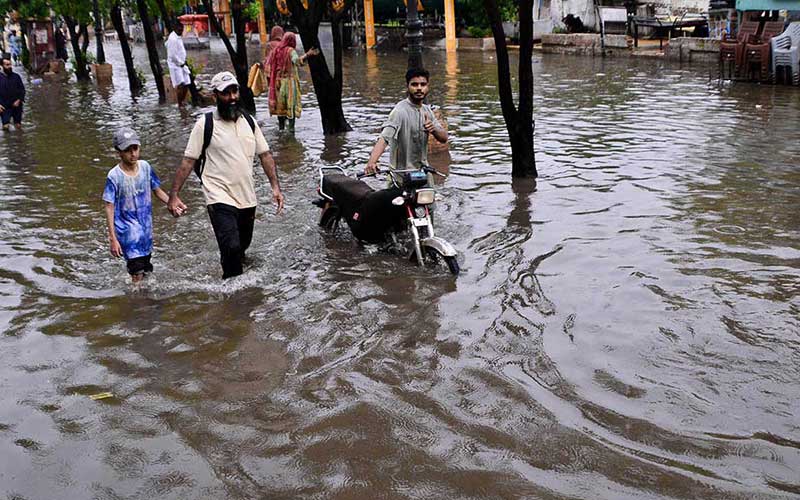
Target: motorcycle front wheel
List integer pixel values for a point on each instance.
(452, 264)
(433, 257)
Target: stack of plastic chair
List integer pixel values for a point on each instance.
(758, 49)
(731, 50)
(786, 54)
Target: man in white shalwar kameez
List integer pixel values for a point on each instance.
(176, 61)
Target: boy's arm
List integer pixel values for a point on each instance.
(115, 248)
(175, 205)
(161, 195)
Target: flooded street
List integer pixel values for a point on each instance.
(629, 330)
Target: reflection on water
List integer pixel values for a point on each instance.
(451, 78)
(629, 328)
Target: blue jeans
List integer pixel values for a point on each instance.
(11, 112)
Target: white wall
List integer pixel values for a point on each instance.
(580, 8)
(585, 9)
(674, 6)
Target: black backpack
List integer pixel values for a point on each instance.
(208, 131)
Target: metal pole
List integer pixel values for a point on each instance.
(413, 35)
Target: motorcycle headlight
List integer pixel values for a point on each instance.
(425, 196)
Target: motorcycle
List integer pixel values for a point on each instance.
(384, 216)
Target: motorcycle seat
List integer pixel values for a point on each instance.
(348, 192)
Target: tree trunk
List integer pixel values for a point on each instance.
(525, 163)
(75, 32)
(133, 78)
(239, 55)
(413, 35)
(327, 87)
(23, 28)
(240, 63)
(98, 32)
(166, 15)
(152, 52)
(519, 121)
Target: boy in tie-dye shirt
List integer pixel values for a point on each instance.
(129, 207)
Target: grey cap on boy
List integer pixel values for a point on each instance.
(124, 138)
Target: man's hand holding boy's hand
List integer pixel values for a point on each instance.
(175, 206)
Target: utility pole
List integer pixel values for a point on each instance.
(413, 35)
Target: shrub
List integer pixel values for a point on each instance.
(478, 32)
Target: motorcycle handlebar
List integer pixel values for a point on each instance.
(424, 168)
(432, 170)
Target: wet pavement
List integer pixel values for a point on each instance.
(630, 330)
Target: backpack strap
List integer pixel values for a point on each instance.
(208, 131)
(250, 121)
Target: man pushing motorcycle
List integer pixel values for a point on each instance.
(405, 207)
(407, 128)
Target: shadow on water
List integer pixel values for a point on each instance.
(626, 329)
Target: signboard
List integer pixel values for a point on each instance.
(767, 5)
(40, 37)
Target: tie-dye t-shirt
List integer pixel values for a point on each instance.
(133, 212)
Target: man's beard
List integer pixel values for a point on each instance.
(415, 99)
(229, 111)
(8, 71)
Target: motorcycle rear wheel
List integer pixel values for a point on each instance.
(329, 220)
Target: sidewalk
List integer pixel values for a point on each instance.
(679, 49)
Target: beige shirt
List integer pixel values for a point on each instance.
(228, 172)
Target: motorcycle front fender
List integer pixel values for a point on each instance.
(440, 245)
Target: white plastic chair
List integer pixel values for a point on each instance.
(786, 52)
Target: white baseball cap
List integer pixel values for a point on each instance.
(223, 80)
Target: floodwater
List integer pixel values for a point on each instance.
(629, 330)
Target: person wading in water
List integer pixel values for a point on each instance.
(284, 80)
(225, 141)
(407, 128)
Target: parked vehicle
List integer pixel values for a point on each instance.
(398, 218)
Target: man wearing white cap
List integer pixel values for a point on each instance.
(220, 150)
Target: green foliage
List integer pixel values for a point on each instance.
(478, 32)
(176, 6)
(195, 68)
(140, 75)
(250, 12)
(26, 8)
(508, 11)
(80, 10)
(474, 12)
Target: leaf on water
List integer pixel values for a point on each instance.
(101, 395)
